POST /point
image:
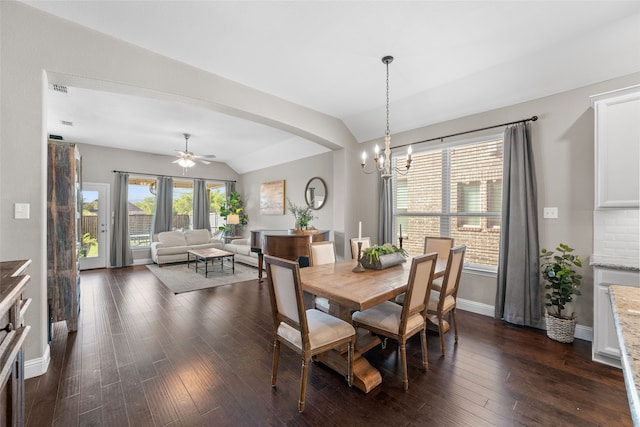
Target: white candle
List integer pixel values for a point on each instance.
(400, 230)
(360, 230)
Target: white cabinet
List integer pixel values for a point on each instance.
(605, 347)
(617, 148)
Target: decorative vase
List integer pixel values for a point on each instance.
(383, 261)
(560, 329)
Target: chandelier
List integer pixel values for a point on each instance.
(383, 161)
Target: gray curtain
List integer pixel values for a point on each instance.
(385, 212)
(519, 292)
(163, 218)
(229, 187)
(120, 246)
(200, 205)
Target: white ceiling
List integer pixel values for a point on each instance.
(451, 59)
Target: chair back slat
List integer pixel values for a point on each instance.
(440, 245)
(452, 275)
(285, 290)
(322, 252)
(419, 287)
(366, 243)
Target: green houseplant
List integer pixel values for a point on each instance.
(302, 214)
(233, 206)
(382, 256)
(562, 282)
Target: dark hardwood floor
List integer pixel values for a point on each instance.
(145, 357)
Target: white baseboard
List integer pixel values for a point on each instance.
(475, 307)
(143, 261)
(39, 366)
(582, 332)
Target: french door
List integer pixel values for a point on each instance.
(94, 247)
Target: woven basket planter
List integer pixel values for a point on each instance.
(561, 330)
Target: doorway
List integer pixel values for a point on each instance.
(94, 229)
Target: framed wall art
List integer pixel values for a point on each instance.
(272, 198)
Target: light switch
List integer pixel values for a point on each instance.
(550, 213)
(21, 211)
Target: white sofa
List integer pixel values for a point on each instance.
(172, 246)
(242, 250)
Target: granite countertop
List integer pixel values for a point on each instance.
(615, 263)
(625, 301)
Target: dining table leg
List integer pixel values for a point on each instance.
(365, 376)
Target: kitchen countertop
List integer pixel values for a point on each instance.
(625, 301)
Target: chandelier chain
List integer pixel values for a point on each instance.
(388, 132)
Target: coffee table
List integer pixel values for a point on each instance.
(210, 254)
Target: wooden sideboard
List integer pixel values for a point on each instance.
(13, 332)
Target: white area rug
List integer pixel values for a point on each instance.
(179, 279)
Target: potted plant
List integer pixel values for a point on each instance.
(379, 257)
(303, 216)
(233, 207)
(562, 283)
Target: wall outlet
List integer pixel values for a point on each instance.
(21, 211)
(550, 213)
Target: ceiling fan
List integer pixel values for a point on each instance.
(187, 159)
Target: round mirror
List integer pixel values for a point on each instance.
(315, 193)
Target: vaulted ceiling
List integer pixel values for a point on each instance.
(451, 59)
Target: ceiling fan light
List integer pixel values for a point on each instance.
(186, 163)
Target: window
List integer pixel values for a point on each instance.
(142, 206)
(469, 201)
(494, 203)
(182, 205)
(217, 197)
(454, 191)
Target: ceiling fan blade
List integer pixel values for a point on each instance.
(177, 160)
(204, 162)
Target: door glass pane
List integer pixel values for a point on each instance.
(142, 206)
(89, 224)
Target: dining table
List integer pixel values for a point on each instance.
(349, 291)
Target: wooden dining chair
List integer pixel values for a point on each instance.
(366, 243)
(441, 246)
(445, 303)
(322, 253)
(400, 323)
(308, 332)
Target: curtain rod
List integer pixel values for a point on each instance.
(531, 119)
(174, 176)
